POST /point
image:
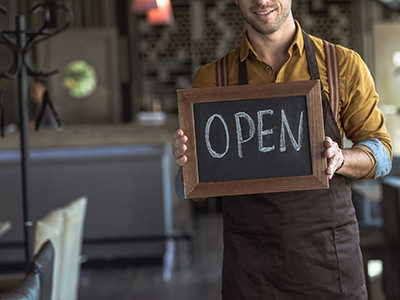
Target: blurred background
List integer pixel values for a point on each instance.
(119, 66)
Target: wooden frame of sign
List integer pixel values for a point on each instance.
(218, 166)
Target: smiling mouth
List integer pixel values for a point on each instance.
(264, 12)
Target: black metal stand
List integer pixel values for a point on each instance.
(20, 42)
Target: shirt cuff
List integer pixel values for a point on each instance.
(383, 162)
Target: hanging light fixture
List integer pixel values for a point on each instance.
(142, 6)
(162, 15)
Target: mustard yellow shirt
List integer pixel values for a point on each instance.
(359, 117)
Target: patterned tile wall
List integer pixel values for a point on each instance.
(336, 21)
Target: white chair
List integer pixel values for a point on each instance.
(74, 217)
(64, 227)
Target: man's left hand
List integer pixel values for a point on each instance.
(334, 155)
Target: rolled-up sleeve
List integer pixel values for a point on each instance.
(362, 121)
(383, 162)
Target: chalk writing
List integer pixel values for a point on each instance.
(262, 132)
(239, 133)
(285, 124)
(285, 128)
(207, 136)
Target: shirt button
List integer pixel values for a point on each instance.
(268, 68)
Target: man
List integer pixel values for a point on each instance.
(299, 245)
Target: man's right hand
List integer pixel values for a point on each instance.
(179, 147)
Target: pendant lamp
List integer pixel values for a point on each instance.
(162, 15)
(142, 6)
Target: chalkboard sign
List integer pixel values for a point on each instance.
(253, 139)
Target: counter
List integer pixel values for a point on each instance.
(126, 171)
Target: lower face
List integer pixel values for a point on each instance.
(265, 17)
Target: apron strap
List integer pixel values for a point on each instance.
(222, 72)
(332, 68)
(312, 61)
(242, 72)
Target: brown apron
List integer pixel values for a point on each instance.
(293, 245)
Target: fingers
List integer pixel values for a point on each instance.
(181, 160)
(329, 144)
(180, 140)
(334, 155)
(179, 147)
(178, 133)
(331, 148)
(179, 150)
(334, 163)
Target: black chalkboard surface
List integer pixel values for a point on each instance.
(253, 139)
(249, 139)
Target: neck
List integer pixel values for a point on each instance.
(273, 48)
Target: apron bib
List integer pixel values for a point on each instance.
(295, 245)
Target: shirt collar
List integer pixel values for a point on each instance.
(298, 44)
